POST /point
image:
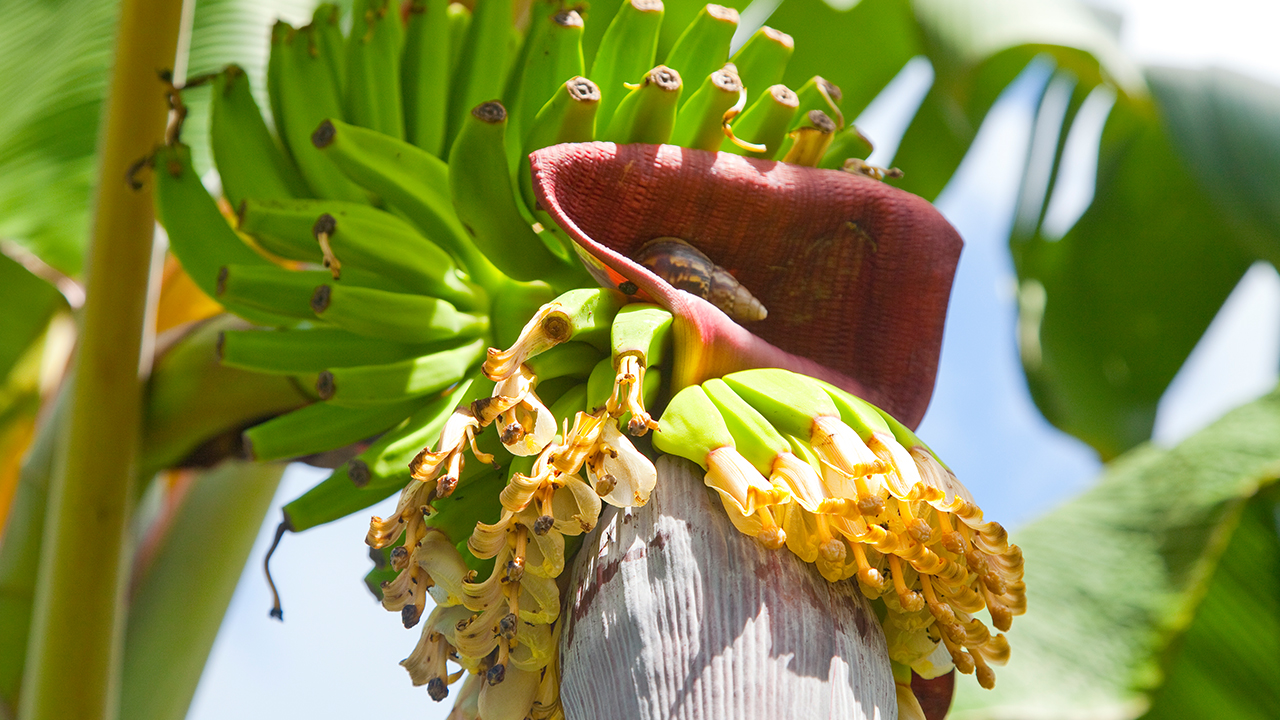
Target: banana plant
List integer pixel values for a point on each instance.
(424, 261)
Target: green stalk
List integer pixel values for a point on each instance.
(74, 650)
(171, 629)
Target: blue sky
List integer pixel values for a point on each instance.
(336, 654)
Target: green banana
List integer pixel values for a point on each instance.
(701, 121)
(481, 71)
(309, 95)
(381, 314)
(600, 385)
(648, 113)
(459, 18)
(584, 314)
(572, 359)
(512, 305)
(554, 57)
(762, 59)
(268, 288)
(251, 162)
(412, 180)
(569, 116)
(280, 31)
(487, 206)
(848, 143)
(360, 237)
(627, 51)
(692, 427)
(642, 330)
(703, 47)
(198, 234)
(319, 427)
(373, 97)
(818, 94)
(571, 402)
(764, 123)
(753, 435)
(380, 470)
(424, 74)
(809, 141)
(327, 23)
(308, 351)
(378, 384)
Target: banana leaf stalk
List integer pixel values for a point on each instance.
(675, 614)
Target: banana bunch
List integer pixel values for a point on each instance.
(802, 464)
(378, 222)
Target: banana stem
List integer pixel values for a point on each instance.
(75, 645)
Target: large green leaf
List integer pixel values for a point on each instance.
(54, 56)
(1225, 125)
(1130, 584)
(1113, 309)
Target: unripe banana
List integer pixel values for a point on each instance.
(809, 142)
(309, 95)
(327, 23)
(703, 47)
(648, 113)
(627, 51)
(275, 64)
(488, 208)
(198, 234)
(373, 97)
(408, 178)
(361, 238)
(753, 435)
(269, 288)
(762, 60)
(600, 385)
(300, 351)
(555, 56)
(381, 314)
(572, 359)
(320, 426)
(250, 161)
(459, 19)
(376, 384)
(848, 143)
(424, 74)
(700, 123)
(788, 400)
(643, 330)
(569, 116)
(763, 123)
(818, 94)
(383, 468)
(481, 71)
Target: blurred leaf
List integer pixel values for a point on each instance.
(1116, 576)
(1112, 310)
(172, 629)
(54, 56)
(1225, 126)
(27, 303)
(977, 48)
(1227, 664)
